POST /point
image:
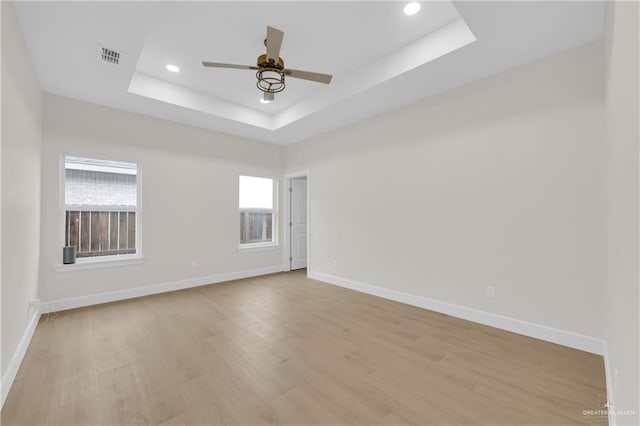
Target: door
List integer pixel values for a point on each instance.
(298, 234)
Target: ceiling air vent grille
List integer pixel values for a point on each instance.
(109, 55)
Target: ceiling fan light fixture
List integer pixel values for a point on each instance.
(412, 8)
(267, 97)
(270, 80)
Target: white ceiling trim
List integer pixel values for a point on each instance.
(164, 91)
(446, 39)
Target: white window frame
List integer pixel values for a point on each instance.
(98, 261)
(274, 216)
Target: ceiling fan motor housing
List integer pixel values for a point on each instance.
(263, 62)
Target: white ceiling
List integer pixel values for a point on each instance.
(380, 58)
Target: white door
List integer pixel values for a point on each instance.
(298, 223)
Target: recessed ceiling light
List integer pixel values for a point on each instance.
(172, 68)
(265, 101)
(412, 8)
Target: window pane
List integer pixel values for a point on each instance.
(256, 193)
(99, 183)
(256, 227)
(101, 215)
(100, 233)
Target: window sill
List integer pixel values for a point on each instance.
(257, 247)
(83, 264)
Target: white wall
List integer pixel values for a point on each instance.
(21, 149)
(622, 140)
(189, 196)
(497, 183)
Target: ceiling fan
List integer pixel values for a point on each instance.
(270, 70)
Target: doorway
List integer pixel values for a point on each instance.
(297, 221)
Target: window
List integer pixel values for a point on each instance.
(101, 207)
(257, 214)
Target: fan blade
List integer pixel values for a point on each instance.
(274, 43)
(311, 76)
(269, 97)
(233, 66)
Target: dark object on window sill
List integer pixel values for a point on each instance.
(68, 255)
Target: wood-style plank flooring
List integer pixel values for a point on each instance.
(283, 349)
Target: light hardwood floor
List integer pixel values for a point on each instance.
(283, 349)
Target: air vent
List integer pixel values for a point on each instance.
(109, 56)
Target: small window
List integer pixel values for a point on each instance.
(257, 213)
(101, 207)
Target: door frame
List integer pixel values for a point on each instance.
(286, 252)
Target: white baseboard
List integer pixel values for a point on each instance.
(12, 370)
(542, 332)
(608, 374)
(130, 293)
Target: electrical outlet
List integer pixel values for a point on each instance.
(491, 291)
(195, 264)
(335, 263)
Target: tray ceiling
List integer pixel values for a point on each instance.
(379, 57)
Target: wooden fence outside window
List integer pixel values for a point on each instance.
(256, 226)
(100, 233)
